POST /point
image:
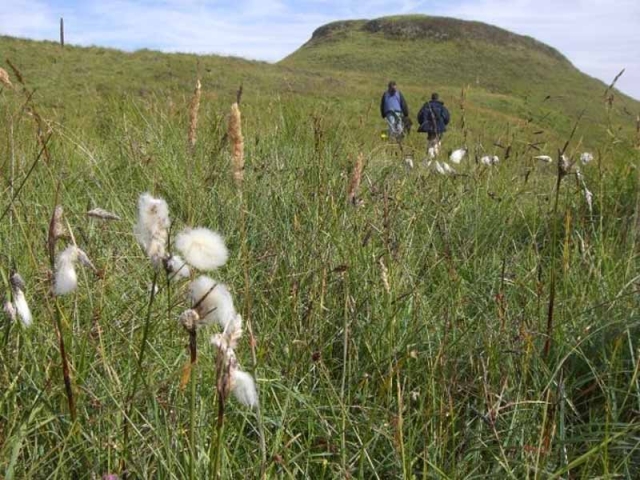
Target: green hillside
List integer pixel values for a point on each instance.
(435, 53)
(400, 322)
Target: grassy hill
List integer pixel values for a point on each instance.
(526, 77)
(399, 323)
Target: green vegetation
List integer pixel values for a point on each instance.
(477, 325)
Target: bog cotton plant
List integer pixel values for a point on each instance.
(586, 157)
(490, 160)
(202, 248)
(211, 302)
(457, 155)
(17, 307)
(152, 228)
(66, 278)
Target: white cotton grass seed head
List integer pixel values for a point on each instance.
(244, 388)
(544, 158)
(214, 302)
(202, 248)
(22, 308)
(457, 155)
(586, 157)
(447, 169)
(200, 291)
(152, 229)
(177, 268)
(9, 310)
(66, 278)
(589, 198)
(224, 313)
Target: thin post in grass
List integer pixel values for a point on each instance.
(62, 32)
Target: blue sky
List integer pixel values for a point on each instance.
(600, 37)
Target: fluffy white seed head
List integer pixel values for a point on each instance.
(202, 248)
(457, 155)
(214, 302)
(544, 158)
(589, 198)
(489, 160)
(177, 268)
(431, 152)
(586, 157)
(66, 279)
(447, 169)
(408, 162)
(244, 388)
(152, 229)
(439, 168)
(200, 291)
(22, 308)
(9, 310)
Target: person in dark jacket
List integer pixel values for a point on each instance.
(393, 108)
(433, 119)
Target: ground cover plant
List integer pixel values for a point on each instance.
(400, 319)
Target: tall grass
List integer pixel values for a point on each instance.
(403, 338)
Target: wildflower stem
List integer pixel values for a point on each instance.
(222, 380)
(65, 364)
(345, 359)
(136, 376)
(192, 407)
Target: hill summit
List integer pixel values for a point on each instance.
(519, 74)
(435, 29)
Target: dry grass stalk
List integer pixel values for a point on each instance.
(356, 177)
(102, 214)
(193, 114)
(4, 78)
(237, 143)
(384, 273)
(56, 230)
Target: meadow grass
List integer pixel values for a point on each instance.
(401, 336)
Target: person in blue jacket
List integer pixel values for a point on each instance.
(393, 108)
(433, 119)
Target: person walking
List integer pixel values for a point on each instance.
(433, 119)
(393, 108)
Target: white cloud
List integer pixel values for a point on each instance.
(598, 36)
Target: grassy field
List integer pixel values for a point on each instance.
(477, 325)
